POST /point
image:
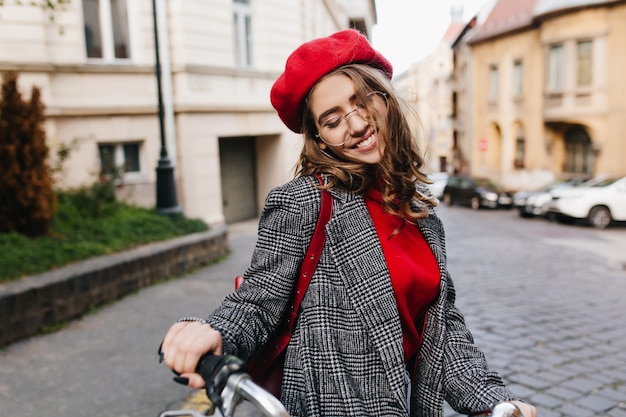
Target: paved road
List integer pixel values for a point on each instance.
(545, 301)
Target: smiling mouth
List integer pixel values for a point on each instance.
(371, 139)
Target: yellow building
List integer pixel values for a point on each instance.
(548, 91)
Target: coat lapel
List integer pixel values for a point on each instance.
(359, 259)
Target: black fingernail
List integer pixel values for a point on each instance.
(161, 355)
(181, 380)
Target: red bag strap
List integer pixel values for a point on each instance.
(313, 254)
(258, 365)
(311, 259)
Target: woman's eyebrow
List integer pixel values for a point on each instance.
(335, 109)
(327, 113)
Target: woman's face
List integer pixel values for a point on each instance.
(343, 122)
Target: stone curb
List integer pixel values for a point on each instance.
(44, 300)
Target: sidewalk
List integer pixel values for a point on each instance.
(35, 303)
(105, 364)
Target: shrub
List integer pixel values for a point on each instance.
(26, 185)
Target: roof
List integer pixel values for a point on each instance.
(506, 16)
(551, 6)
(452, 32)
(472, 25)
(512, 15)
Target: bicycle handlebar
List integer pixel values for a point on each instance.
(227, 383)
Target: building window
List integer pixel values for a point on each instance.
(584, 63)
(493, 82)
(520, 149)
(518, 79)
(107, 35)
(556, 68)
(115, 157)
(243, 32)
(579, 156)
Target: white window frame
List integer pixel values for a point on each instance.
(106, 33)
(584, 64)
(556, 68)
(119, 160)
(242, 12)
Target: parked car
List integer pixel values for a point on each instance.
(439, 179)
(535, 203)
(599, 202)
(476, 193)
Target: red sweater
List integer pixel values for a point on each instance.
(414, 271)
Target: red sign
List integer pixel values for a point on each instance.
(483, 144)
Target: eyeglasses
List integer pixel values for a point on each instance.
(335, 129)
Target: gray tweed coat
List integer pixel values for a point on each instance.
(346, 356)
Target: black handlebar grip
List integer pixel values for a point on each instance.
(215, 370)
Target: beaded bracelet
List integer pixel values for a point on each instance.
(503, 409)
(191, 318)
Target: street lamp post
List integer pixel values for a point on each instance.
(166, 200)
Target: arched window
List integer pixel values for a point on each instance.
(520, 148)
(579, 158)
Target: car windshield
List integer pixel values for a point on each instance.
(605, 182)
(484, 182)
(563, 184)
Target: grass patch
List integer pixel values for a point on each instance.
(83, 229)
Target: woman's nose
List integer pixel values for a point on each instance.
(357, 124)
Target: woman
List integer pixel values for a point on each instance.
(378, 332)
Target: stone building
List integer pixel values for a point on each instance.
(95, 64)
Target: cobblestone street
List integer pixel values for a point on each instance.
(545, 302)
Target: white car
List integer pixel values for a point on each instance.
(535, 203)
(439, 179)
(599, 203)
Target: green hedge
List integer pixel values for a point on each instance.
(84, 227)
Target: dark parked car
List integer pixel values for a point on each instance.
(476, 193)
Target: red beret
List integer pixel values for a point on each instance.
(314, 59)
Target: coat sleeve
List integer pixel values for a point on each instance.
(451, 366)
(248, 317)
(469, 384)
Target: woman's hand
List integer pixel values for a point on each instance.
(526, 409)
(185, 343)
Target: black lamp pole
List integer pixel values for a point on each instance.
(166, 201)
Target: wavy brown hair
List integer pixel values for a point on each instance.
(400, 169)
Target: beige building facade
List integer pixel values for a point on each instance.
(426, 86)
(548, 93)
(95, 65)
